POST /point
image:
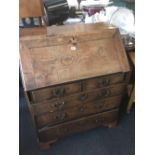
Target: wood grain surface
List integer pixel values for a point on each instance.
(51, 60)
(74, 78)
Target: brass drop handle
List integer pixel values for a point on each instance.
(103, 82)
(59, 104)
(52, 106)
(62, 104)
(62, 116)
(104, 93)
(58, 92)
(83, 97)
(82, 109)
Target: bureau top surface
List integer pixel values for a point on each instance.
(70, 53)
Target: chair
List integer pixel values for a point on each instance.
(30, 12)
(132, 87)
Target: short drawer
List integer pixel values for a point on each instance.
(103, 81)
(77, 87)
(77, 99)
(78, 111)
(78, 125)
(55, 92)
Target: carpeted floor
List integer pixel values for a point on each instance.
(100, 141)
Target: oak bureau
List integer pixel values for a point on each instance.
(74, 78)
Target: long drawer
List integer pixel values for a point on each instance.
(77, 99)
(76, 87)
(78, 125)
(78, 111)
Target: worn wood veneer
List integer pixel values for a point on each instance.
(74, 78)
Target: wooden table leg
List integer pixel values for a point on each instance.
(131, 100)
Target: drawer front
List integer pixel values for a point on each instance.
(78, 125)
(77, 99)
(77, 111)
(55, 92)
(104, 81)
(68, 89)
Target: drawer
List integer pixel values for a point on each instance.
(78, 125)
(77, 99)
(77, 87)
(55, 92)
(103, 81)
(78, 111)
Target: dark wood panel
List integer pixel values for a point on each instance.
(78, 99)
(69, 89)
(78, 125)
(55, 92)
(78, 111)
(103, 81)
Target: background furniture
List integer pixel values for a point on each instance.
(31, 11)
(131, 87)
